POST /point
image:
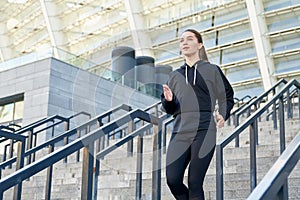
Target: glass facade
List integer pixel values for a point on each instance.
(90, 29)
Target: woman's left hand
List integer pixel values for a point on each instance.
(220, 121)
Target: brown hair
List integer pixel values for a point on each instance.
(202, 51)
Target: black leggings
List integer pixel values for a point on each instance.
(196, 149)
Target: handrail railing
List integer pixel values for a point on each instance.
(20, 158)
(252, 123)
(28, 133)
(127, 139)
(233, 113)
(87, 143)
(285, 99)
(6, 128)
(31, 135)
(68, 133)
(238, 100)
(256, 103)
(273, 183)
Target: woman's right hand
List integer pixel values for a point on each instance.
(167, 93)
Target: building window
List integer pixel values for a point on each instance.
(11, 109)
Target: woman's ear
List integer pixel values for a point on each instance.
(200, 45)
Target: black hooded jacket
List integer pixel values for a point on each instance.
(195, 92)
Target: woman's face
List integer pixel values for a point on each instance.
(189, 45)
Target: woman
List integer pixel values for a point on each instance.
(190, 95)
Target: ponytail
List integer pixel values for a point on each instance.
(202, 54)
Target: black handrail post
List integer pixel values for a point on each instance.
(219, 173)
(281, 125)
(11, 150)
(164, 137)
(49, 176)
(96, 175)
(19, 165)
(236, 124)
(78, 152)
(66, 139)
(283, 192)
(228, 120)
(253, 179)
(299, 102)
(97, 164)
(256, 106)
(87, 172)
(29, 144)
(131, 128)
(4, 153)
(139, 167)
(34, 145)
(106, 136)
(274, 116)
(102, 139)
(156, 163)
(289, 105)
(255, 124)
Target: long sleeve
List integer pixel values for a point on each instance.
(170, 107)
(225, 95)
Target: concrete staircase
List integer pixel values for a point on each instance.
(117, 171)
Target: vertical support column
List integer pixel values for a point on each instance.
(54, 25)
(19, 165)
(156, 163)
(131, 127)
(283, 193)
(237, 123)
(289, 105)
(140, 37)
(11, 150)
(298, 102)
(274, 116)
(66, 139)
(281, 125)
(96, 175)
(29, 144)
(49, 176)
(139, 167)
(261, 41)
(219, 173)
(87, 172)
(6, 42)
(253, 179)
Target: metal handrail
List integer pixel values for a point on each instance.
(233, 113)
(6, 128)
(86, 143)
(252, 123)
(274, 181)
(31, 136)
(20, 152)
(241, 99)
(68, 133)
(37, 124)
(285, 99)
(256, 103)
(262, 96)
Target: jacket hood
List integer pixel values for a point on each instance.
(185, 67)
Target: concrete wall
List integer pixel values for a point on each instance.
(53, 87)
(33, 81)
